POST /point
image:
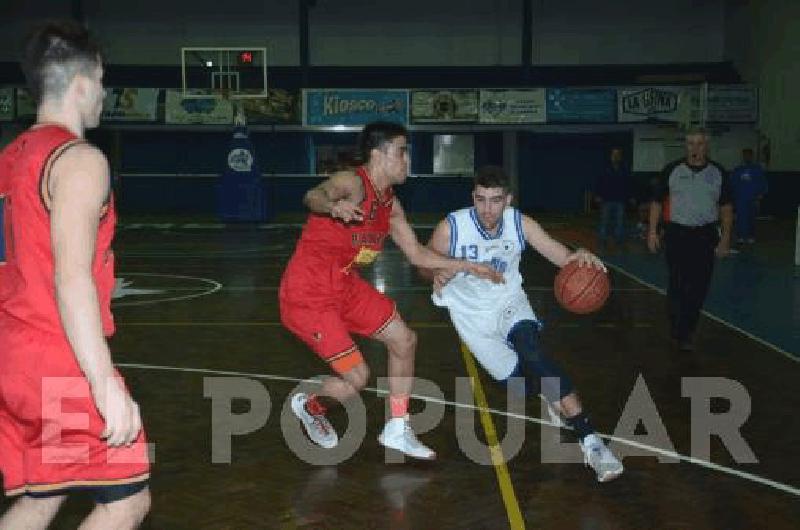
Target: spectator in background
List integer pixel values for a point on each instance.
(749, 186)
(644, 196)
(611, 192)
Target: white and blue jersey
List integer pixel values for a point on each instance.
(484, 312)
(470, 241)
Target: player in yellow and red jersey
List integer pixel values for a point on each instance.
(323, 299)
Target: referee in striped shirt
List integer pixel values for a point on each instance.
(698, 226)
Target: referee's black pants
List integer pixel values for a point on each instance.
(690, 261)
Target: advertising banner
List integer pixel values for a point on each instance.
(354, 107)
(513, 106)
(444, 106)
(581, 105)
(206, 111)
(6, 104)
(659, 103)
(130, 104)
(732, 104)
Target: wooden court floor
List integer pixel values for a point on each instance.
(199, 305)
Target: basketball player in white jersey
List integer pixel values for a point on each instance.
(496, 321)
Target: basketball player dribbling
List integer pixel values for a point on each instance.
(67, 422)
(496, 321)
(323, 299)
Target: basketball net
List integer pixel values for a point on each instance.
(239, 117)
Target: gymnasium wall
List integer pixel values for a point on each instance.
(408, 33)
(166, 172)
(763, 41)
(174, 171)
(656, 146)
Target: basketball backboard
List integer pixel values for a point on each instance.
(237, 73)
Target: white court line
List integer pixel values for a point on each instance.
(256, 253)
(702, 463)
(270, 226)
(410, 289)
(219, 226)
(709, 315)
(220, 256)
(266, 249)
(262, 226)
(215, 286)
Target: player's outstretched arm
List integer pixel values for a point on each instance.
(78, 188)
(338, 196)
(422, 257)
(439, 243)
(543, 243)
(554, 250)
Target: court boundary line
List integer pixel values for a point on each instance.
(513, 511)
(786, 488)
(706, 313)
(411, 289)
(414, 324)
(255, 323)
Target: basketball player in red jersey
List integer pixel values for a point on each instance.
(67, 421)
(323, 299)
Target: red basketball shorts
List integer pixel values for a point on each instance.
(325, 320)
(49, 425)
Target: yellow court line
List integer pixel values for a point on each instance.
(503, 478)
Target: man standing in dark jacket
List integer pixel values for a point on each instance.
(611, 191)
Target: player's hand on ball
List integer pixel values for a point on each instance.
(586, 259)
(347, 211)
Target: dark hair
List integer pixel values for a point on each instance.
(376, 134)
(54, 53)
(492, 177)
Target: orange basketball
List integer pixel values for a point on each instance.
(581, 290)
